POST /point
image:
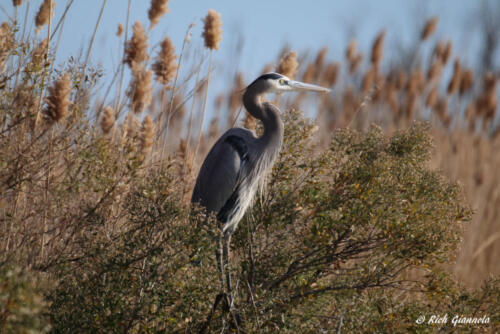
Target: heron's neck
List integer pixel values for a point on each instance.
(267, 113)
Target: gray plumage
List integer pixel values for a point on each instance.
(237, 165)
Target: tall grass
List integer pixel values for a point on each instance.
(88, 200)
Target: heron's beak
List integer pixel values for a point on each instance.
(297, 86)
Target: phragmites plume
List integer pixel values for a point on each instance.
(6, 42)
(44, 13)
(165, 65)
(432, 98)
(17, 2)
(353, 57)
(466, 81)
(330, 74)
(212, 32)
(107, 120)
(140, 91)
(38, 53)
(58, 100)
(157, 10)
(119, 30)
(447, 52)
(352, 50)
(288, 65)
(368, 80)
(454, 83)
(435, 70)
(147, 135)
(378, 49)
(136, 50)
(429, 28)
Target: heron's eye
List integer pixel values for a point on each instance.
(282, 81)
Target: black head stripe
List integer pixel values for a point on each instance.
(272, 76)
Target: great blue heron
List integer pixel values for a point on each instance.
(237, 164)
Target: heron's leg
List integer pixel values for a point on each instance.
(220, 258)
(226, 252)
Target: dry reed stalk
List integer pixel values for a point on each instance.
(288, 65)
(140, 91)
(432, 98)
(6, 42)
(352, 50)
(212, 31)
(45, 12)
(378, 49)
(455, 80)
(136, 49)
(58, 100)
(119, 30)
(487, 102)
(234, 99)
(212, 34)
(330, 74)
(368, 80)
(435, 70)
(213, 129)
(429, 28)
(353, 66)
(146, 136)
(447, 53)
(107, 120)
(38, 53)
(186, 40)
(391, 97)
(400, 80)
(122, 63)
(466, 81)
(157, 10)
(165, 66)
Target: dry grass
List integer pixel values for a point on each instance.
(389, 93)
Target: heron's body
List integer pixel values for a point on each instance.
(238, 164)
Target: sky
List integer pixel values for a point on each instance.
(263, 27)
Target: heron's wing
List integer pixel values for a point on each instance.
(221, 174)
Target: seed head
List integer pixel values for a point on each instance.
(447, 52)
(58, 100)
(378, 49)
(455, 80)
(288, 64)
(44, 13)
(17, 2)
(432, 98)
(352, 50)
(429, 28)
(353, 66)
(330, 74)
(6, 42)
(119, 30)
(466, 81)
(165, 66)
(140, 89)
(435, 70)
(147, 135)
(368, 80)
(212, 32)
(157, 10)
(107, 120)
(136, 49)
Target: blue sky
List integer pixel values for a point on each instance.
(264, 26)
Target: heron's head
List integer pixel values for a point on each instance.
(278, 83)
